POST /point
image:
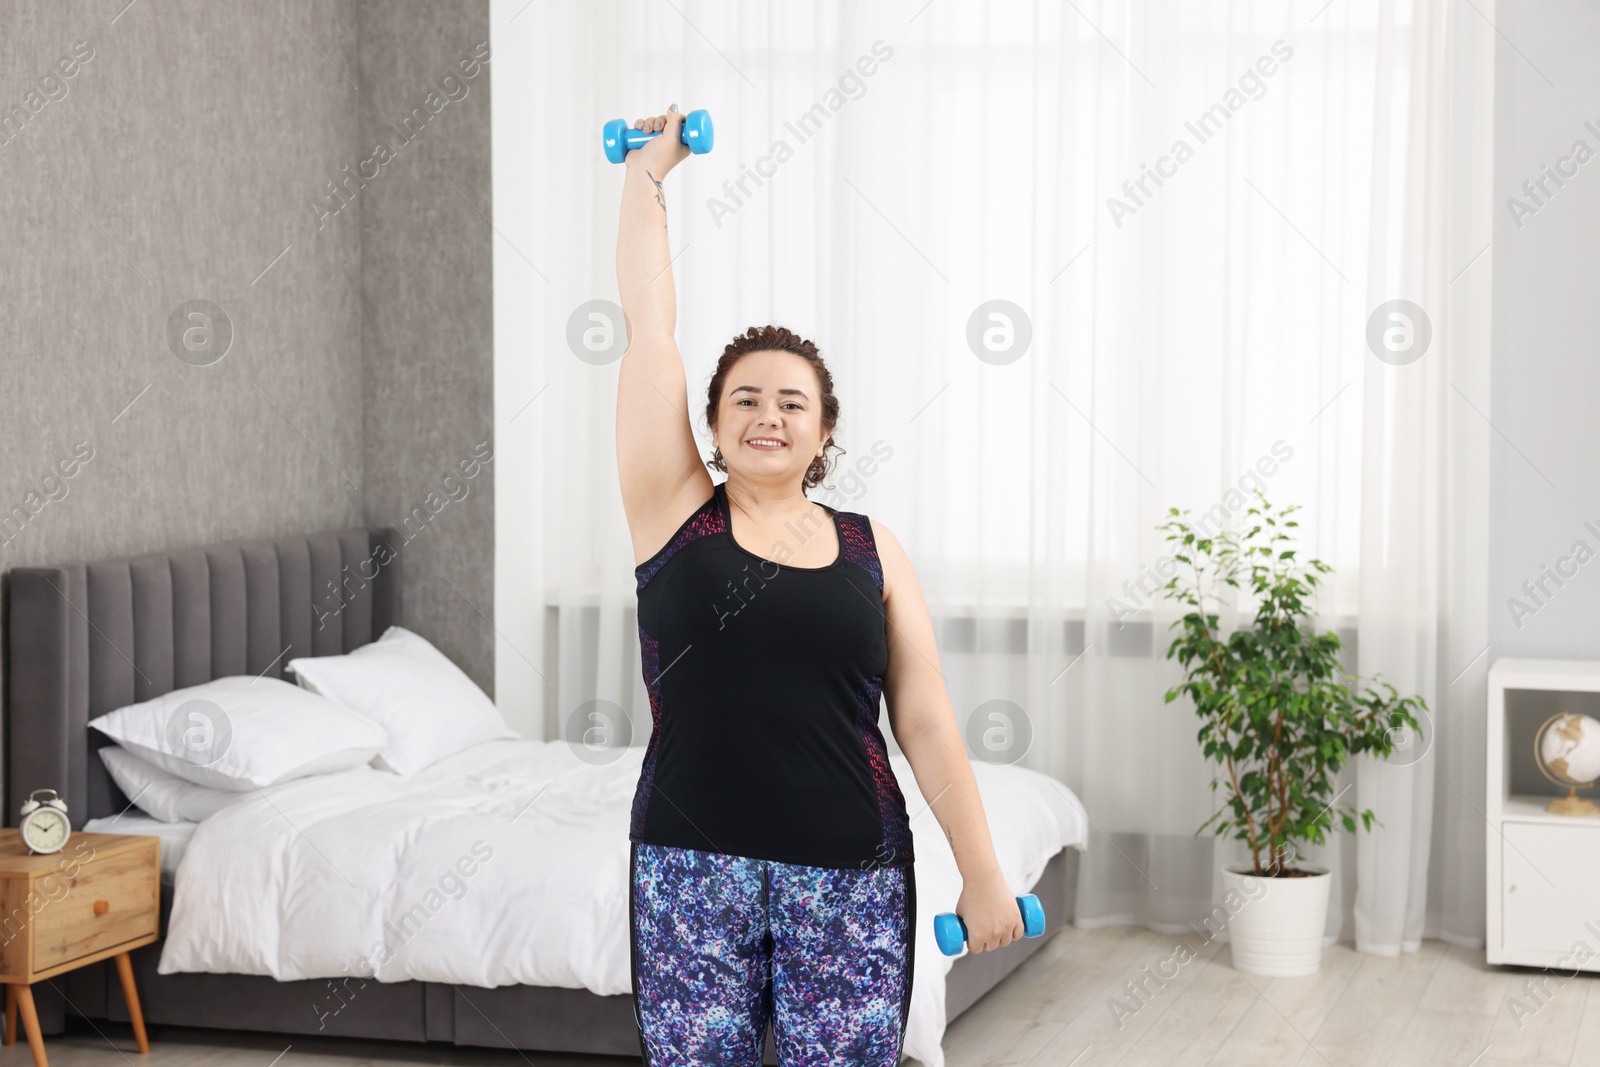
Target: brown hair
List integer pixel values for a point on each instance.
(776, 338)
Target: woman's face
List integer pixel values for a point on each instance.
(770, 396)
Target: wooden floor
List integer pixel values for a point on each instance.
(1440, 1006)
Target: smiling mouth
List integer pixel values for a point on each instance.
(766, 444)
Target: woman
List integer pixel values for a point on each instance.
(770, 843)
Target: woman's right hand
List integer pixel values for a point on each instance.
(664, 151)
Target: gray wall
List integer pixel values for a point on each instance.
(180, 162)
(427, 314)
(1546, 373)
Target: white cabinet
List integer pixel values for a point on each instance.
(1543, 869)
(1551, 889)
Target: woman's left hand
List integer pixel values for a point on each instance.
(989, 910)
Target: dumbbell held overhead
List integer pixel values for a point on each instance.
(618, 138)
(951, 933)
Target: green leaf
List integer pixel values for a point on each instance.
(1278, 714)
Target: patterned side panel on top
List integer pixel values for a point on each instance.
(895, 849)
(706, 520)
(859, 547)
(650, 655)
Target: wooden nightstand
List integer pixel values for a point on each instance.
(99, 896)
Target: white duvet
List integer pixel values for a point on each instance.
(507, 864)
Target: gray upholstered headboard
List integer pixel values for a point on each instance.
(88, 638)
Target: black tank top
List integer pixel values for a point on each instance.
(764, 683)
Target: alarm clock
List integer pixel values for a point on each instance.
(44, 825)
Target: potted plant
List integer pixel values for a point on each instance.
(1280, 716)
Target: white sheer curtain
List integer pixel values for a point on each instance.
(880, 172)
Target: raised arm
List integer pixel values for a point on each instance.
(658, 464)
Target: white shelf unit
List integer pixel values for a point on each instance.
(1543, 870)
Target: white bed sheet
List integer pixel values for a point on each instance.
(504, 864)
(174, 836)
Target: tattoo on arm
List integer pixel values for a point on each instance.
(660, 196)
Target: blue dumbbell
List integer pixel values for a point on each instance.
(951, 932)
(618, 138)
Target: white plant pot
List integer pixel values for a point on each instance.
(1275, 924)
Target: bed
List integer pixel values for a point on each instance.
(266, 906)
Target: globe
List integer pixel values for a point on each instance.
(1568, 747)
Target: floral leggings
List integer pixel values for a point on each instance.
(722, 944)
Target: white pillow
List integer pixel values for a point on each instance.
(159, 794)
(240, 733)
(429, 706)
